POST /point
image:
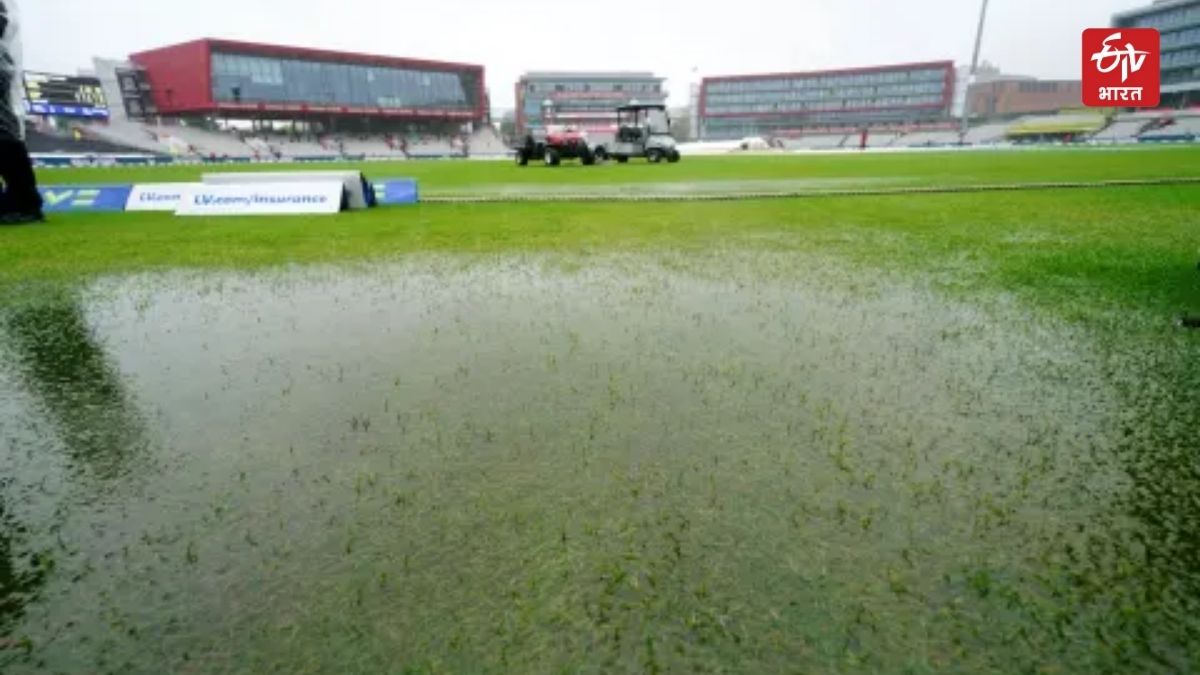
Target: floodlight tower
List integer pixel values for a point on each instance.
(966, 115)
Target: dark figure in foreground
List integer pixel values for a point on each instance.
(20, 202)
(1191, 321)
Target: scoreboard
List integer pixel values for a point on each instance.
(65, 95)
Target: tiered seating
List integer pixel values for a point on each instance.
(816, 142)
(486, 141)
(261, 147)
(127, 134)
(1123, 130)
(1180, 128)
(882, 139)
(202, 142)
(369, 146)
(293, 147)
(921, 139)
(986, 134)
(1192, 124)
(197, 143)
(429, 146)
(45, 143)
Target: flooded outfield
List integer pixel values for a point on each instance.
(737, 462)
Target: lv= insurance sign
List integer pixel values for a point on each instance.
(1121, 68)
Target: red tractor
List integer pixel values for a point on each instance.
(555, 144)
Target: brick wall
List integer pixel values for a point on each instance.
(1015, 97)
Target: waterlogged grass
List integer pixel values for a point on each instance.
(734, 461)
(899, 434)
(1077, 251)
(942, 168)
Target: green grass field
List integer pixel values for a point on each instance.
(1136, 244)
(917, 168)
(903, 433)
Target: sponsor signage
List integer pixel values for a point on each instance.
(396, 191)
(63, 198)
(66, 110)
(353, 181)
(157, 196)
(261, 199)
(1121, 68)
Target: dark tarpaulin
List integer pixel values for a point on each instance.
(11, 123)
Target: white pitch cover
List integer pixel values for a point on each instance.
(157, 196)
(351, 180)
(261, 199)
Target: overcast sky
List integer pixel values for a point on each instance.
(681, 40)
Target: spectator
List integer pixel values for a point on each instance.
(20, 202)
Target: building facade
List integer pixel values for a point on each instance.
(223, 77)
(1179, 23)
(1019, 96)
(792, 104)
(587, 100)
(986, 72)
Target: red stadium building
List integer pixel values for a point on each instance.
(588, 100)
(242, 80)
(793, 104)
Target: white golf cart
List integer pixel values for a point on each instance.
(642, 131)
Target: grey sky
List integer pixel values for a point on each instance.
(670, 37)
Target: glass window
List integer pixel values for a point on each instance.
(272, 80)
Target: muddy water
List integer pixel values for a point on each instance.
(532, 465)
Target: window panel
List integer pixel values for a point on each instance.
(273, 80)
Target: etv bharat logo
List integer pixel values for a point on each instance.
(1129, 59)
(1121, 67)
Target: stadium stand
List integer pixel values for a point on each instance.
(882, 139)
(926, 139)
(202, 142)
(127, 134)
(302, 147)
(178, 141)
(486, 141)
(1180, 127)
(1123, 130)
(1061, 126)
(262, 148)
(430, 146)
(369, 146)
(182, 141)
(40, 142)
(986, 134)
(816, 142)
(1191, 124)
(773, 105)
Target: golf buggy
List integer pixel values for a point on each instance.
(642, 131)
(554, 144)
